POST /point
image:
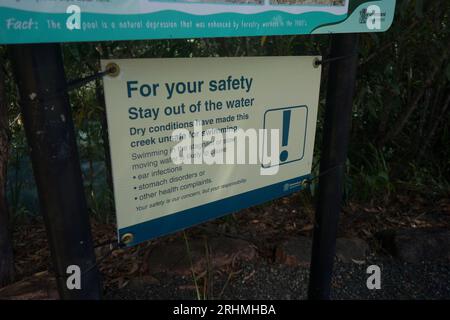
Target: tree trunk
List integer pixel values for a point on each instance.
(6, 250)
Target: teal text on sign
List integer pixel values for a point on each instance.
(25, 21)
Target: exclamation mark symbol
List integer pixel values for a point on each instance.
(285, 139)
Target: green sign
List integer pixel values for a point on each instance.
(31, 21)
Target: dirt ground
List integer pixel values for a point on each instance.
(126, 271)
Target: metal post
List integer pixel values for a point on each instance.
(50, 133)
(341, 85)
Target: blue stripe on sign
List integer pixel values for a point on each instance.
(181, 220)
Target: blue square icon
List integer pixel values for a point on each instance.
(292, 125)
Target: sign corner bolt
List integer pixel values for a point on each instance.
(127, 238)
(113, 69)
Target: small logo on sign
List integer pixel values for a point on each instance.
(74, 20)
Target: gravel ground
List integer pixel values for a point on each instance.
(271, 281)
